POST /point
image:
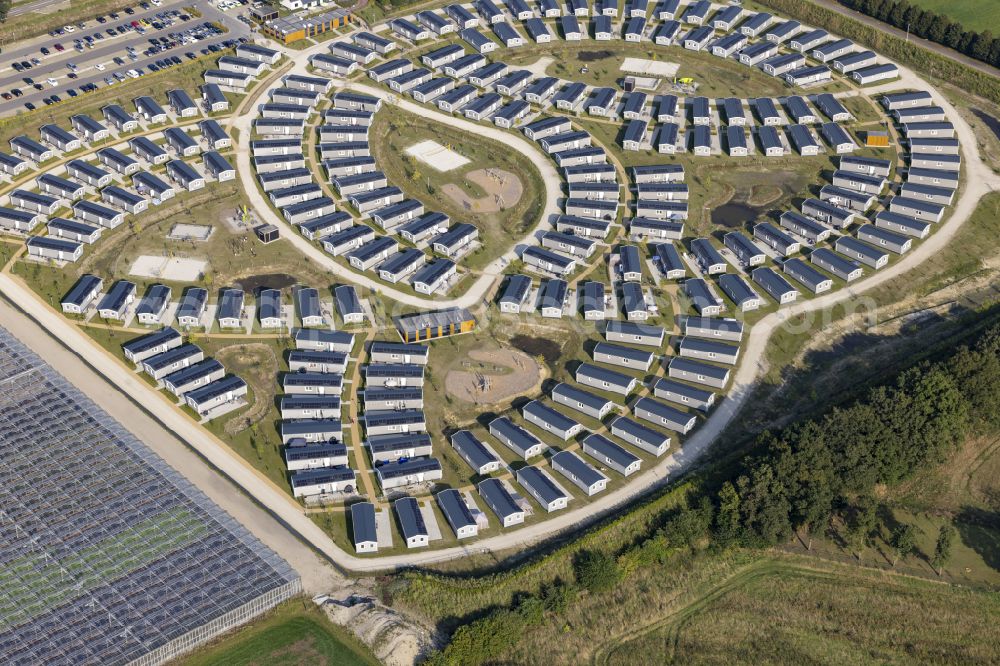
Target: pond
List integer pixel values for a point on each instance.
(549, 350)
(593, 56)
(266, 281)
(736, 214)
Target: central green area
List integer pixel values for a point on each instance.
(395, 130)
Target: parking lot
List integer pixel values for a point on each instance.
(105, 50)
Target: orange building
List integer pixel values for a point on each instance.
(877, 139)
(293, 28)
(432, 325)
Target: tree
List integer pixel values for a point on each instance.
(863, 523)
(727, 519)
(904, 542)
(764, 507)
(597, 571)
(942, 549)
(937, 28)
(953, 35)
(981, 45)
(4, 9)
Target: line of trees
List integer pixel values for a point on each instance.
(795, 481)
(932, 26)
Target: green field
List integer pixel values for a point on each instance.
(296, 633)
(979, 15)
(783, 612)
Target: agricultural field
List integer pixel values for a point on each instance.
(294, 633)
(978, 15)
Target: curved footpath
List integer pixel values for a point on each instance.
(551, 182)
(978, 181)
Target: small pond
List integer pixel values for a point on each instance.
(266, 281)
(736, 214)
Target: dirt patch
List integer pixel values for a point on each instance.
(503, 190)
(493, 376)
(258, 366)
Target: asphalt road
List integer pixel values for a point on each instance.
(55, 64)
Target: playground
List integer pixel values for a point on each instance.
(502, 189)
(489, 377)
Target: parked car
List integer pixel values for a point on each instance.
(29, 106)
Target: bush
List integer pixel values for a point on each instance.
(597, 571)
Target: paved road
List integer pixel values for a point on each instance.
(550, 179)
(55, 64)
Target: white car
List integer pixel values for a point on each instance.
(69, 28)
(52, 82)
(157, 3)
(134, 74)
(99, 67)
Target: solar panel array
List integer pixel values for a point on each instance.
(108, 555)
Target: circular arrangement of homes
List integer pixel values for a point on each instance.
(625, 247)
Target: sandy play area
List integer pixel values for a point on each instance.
(645, 67)
(502, 187)
(436, 156)
(166, 268)
(493, 376)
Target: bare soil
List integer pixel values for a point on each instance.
(493, 376)
(503, 190)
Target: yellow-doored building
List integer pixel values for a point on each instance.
(433, 325)
(293, 28)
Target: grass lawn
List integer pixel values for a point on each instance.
(395, 130)
(714, 76)
(294, 633)
(784, 612)
(979, 15)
